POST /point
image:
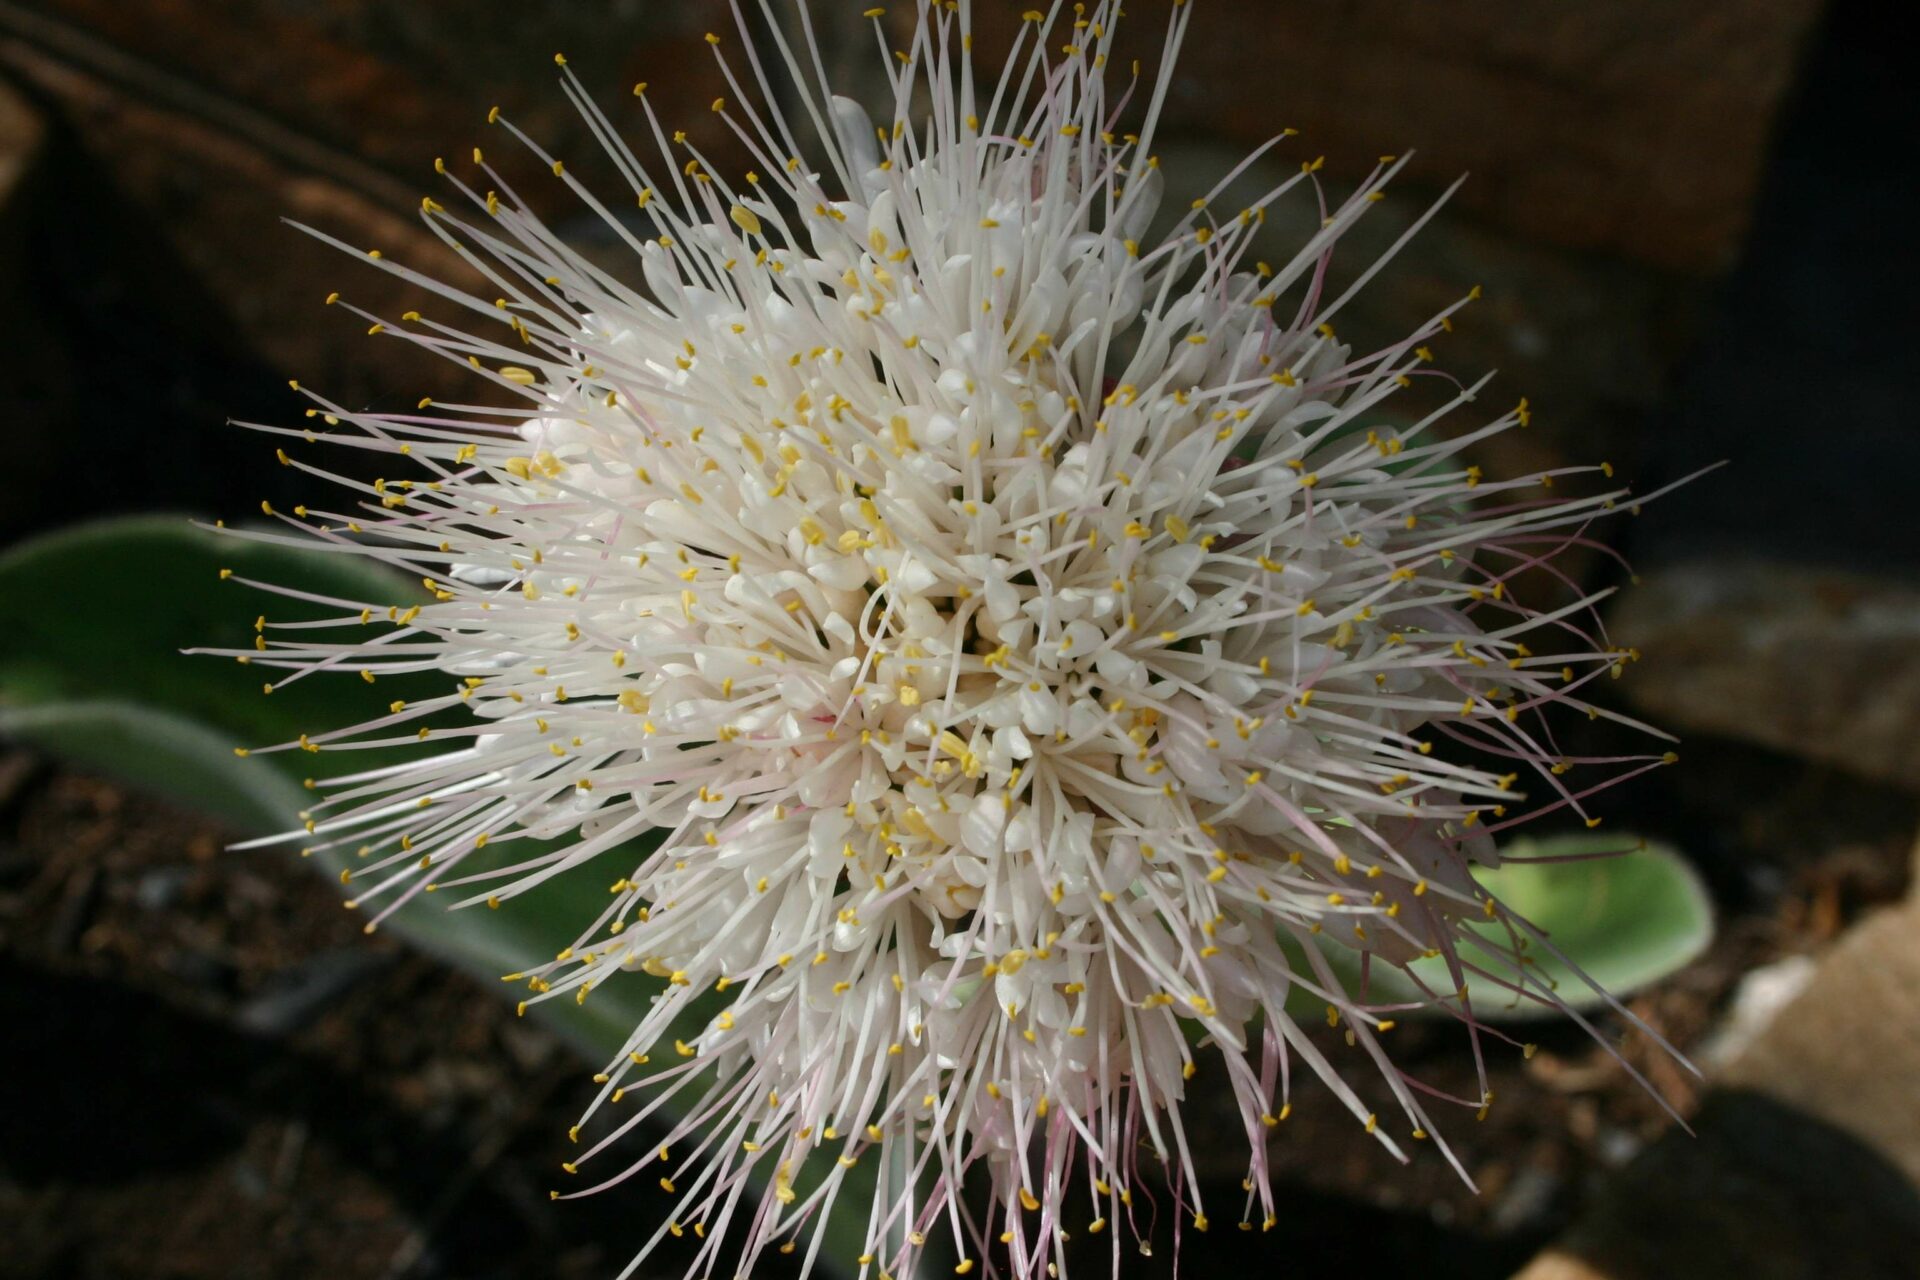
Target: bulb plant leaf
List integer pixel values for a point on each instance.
(97, 678)
(1623, 919)
(92, 672)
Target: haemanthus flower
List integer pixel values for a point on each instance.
(1023, 642)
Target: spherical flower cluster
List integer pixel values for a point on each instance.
(1022, 650)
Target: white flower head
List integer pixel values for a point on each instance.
(1024, 643)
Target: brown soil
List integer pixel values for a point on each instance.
(214, 1074)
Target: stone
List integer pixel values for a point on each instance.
(1590, 127)
(1847, 1051)
(1760, 1191)
(213, 122)
(22, 134)
(1763, 994)
(217, 197)
(1804, 1160)
(40, 381)
(1816, 663)
(391, 86)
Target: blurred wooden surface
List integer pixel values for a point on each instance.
(1613, 149)
(1627, 127)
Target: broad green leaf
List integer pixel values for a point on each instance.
(103, 611)
(161, 752)
(92, 671)
(1626, 921)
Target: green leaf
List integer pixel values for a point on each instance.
(92, 671)
(162, 752)
(1626, 920)
(102, 612)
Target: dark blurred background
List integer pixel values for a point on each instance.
(1692, 223)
